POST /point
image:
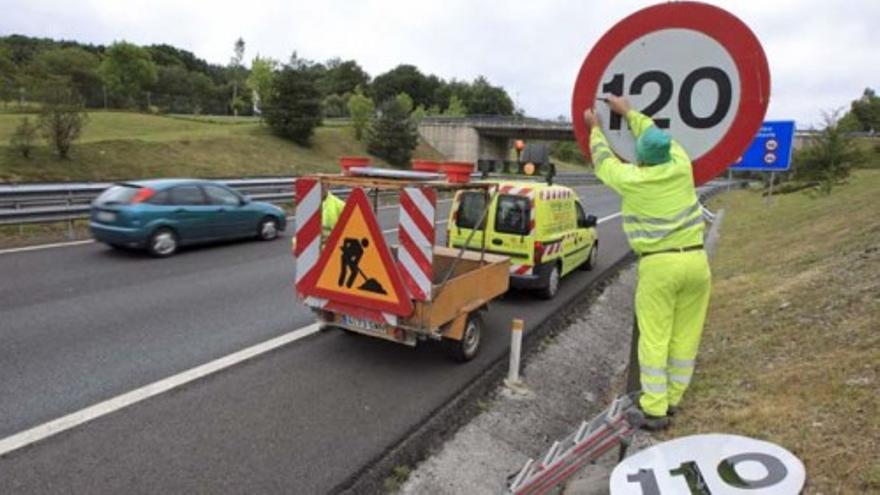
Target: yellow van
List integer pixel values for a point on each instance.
(542, 227)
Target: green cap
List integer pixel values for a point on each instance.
(652, 147)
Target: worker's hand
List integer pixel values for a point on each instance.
(591, 118)
(619, 104)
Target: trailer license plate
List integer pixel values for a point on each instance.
(363, 324)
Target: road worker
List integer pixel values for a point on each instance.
(663, 223)
(331, 208)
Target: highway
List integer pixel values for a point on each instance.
(82, 324)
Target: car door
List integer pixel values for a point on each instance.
(232, 218)
(583, 236)
(191, 213)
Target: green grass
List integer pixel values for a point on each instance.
(791, 350)
(124, 145)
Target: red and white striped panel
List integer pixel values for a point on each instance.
(555, 193)
(518, 190)
(308, 227)
(553, 249)
(416, 235)
(520, 270)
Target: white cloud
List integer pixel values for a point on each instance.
(821, 54)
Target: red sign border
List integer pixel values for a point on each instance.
(736, 37)
(358, 199)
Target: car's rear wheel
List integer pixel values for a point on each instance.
(590, 262)
(162, 243)
(549, 291)
(268, 229)
(466, 349)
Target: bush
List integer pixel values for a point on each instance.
(828, 157)
(393, 135)
(295, 108)
(23, 138)
(62, 118)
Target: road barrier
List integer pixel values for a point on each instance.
(67, 201)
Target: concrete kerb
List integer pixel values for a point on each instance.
(444, 422)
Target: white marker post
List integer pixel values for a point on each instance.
(516, 332)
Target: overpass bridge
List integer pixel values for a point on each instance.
(491, 137)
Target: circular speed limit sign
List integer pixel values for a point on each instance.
(697, 70)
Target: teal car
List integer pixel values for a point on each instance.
(164, 214)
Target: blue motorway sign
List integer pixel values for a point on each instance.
(771, 149)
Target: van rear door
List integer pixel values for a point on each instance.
(511, 232)
(466, 213)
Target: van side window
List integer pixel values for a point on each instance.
(512, 215)
(470, 209)
(581, 216)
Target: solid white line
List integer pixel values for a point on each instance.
(609, 217)
(45, 246)
(77, 418)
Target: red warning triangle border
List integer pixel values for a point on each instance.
(308, 287)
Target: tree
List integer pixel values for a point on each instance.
(236, 69)
(405, 102)
(77, 65)
(295, 110)
(828, 157)
(392, 136)
(23, 138)
(405, 79)
(342, 77)
(261, 79)
(336, 106)
(418, 114)
(456, 108)
(866, 111)
(482, 98)
(8, 73)
(127, 70)
(62, 118)
(361, 109)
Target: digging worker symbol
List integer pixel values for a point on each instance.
(352, 252)
(663, 223)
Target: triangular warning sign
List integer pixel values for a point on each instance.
(355, 266)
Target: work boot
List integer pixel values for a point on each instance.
(671, 411)
(639, 419)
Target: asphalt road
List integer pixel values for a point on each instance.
(81, 324)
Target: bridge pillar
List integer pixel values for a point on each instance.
(464, 143)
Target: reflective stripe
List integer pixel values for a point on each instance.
(657, 388)
(659, 234)
(601, 156)
(682, 379)
(681, 363)
(690, 210)
(647, 370)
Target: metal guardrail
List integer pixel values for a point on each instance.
(59, 202)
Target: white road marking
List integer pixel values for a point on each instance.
(108, 406)
(45, 246)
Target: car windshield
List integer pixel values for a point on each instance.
(119, 194)
(512, 215)
(470, 209)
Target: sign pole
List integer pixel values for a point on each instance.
(770, 192)
(729, 178)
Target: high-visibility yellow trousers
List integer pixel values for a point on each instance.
(671, 301)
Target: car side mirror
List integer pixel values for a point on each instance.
(244, 200)
(590, 222)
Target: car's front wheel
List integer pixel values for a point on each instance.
(162, 243)
(268, 229)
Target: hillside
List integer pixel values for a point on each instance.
(791, 351)
(123, 145)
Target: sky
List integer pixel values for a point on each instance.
(819, 51)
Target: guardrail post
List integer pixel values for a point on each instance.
(70, 232)
(516, 332)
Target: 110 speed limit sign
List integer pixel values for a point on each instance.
(697, 70)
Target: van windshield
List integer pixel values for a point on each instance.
(512, 215)
(470, 209)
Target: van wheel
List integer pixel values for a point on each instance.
(549, 291)
(466, 349)
(162, 243)
(590, 263)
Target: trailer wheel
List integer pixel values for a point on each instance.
(466, 349)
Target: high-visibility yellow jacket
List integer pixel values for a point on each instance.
(331, 208)
(660, 207)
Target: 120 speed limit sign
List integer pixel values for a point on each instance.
(697, 70)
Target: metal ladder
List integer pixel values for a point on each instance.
(613, 426)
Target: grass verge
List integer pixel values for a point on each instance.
(791, 350)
